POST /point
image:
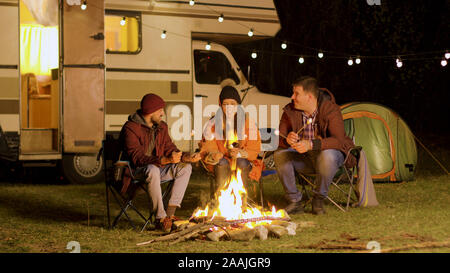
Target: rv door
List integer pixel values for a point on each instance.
(84, 77)
(83, 57)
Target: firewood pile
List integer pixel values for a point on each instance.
(220, 229)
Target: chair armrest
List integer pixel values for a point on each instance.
(125, 164)
(355, 151)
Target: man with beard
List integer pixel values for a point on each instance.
(154, 158)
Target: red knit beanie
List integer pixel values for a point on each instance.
(151, 103)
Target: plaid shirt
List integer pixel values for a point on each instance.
(309, 132)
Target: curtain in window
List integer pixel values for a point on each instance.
(45, 12)
(39, 49)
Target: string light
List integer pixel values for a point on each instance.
(208, 46)
(163, 35)
(350, 62)
(123, 21)
(320, 54)
(84, 5)
(399, 62)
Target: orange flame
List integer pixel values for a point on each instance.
(232, 204)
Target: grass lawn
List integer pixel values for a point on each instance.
(45, 217)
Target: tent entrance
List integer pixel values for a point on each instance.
(373, 133)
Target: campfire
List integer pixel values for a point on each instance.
(231, 204)
(231, 215)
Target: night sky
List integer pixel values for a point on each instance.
(418, 31)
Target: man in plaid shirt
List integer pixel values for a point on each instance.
(312, 140)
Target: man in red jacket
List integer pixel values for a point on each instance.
(315, 142)
(147, 145)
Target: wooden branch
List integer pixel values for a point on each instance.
(176, 235)
(336, 246)
(191, 234)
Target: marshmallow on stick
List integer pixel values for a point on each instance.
(309, 121)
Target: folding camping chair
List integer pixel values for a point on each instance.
(114, 168)
(342, 174)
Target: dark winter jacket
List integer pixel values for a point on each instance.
(135, 139)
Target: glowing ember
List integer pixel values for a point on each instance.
(232, 204)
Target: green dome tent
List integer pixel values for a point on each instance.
(386, 140)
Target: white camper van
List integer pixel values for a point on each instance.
(71, 71)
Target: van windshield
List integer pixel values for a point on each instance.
(212, 67)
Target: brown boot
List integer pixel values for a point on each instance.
(294, 208)
(317, 205)
(164, 224)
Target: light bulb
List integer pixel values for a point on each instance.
(320, 55)
(447, 55)
(208, 46)
(399, 62)
(301, 60)
(220, 18)
(84, 5)
(444, 62)
(122, 22)
(163, 35)
(283, 45)
(254, 55)
(191, 2)
(358, 60)
(350, 62)
(250, 32)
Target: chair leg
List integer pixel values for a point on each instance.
(123, 212)
(336, 204)
(107, 207)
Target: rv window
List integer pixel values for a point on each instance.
(212, 67)
(123, 32)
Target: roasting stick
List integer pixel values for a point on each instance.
(277, 132)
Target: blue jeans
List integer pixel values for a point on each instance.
(324, 163)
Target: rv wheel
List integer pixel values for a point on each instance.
(83, 169)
